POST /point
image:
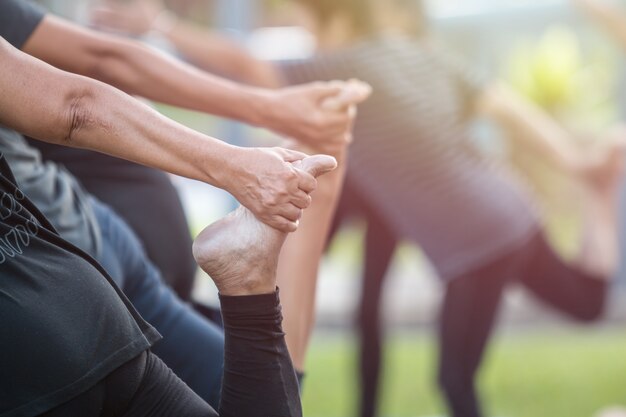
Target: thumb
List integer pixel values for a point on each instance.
(323, 90)
(352, 93)
(289, 155)
(317, 165)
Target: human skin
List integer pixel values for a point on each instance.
(139, 70)
(66, 109)
(298, 265)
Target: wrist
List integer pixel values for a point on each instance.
(227, 173)
(218, 167)
(262, 107)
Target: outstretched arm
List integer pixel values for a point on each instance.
(71, 110)
(531, 128)
(208, 49)
(140, 70)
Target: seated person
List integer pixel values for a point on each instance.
(141, 195)
(71, 342)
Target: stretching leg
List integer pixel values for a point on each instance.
(380, 244)
(578, 288)
(466, 320)
(303, 250)
(241, 255)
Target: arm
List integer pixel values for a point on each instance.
(207, 49)
(531, 128)
(215, 52)
(70, 110)
(608, 17)
(138, 69)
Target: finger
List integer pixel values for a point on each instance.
(306, 182)
(323, 90)
(290, 212)
(317, 165)
(301, 199)
(291, 155)
(351, 94)
(282, 224)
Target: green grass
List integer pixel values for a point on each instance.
(569, 373)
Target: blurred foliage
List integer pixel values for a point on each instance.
(573, 83)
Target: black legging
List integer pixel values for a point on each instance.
(469, 308)
(143, 197)
(259, 379)
(471, 303)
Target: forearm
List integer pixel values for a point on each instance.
(140, 70)
(530, 128)
(215, 52)
(66, 109)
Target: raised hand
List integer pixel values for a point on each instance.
(319, 115)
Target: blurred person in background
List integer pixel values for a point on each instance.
(192, 346)
(415, 167)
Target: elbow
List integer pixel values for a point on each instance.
(77, 115)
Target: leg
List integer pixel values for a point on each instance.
(241, 254)
(579, 288)
(303, 251)
(300, 258)
(192, 346)
(467, 317)
(143, 201)
(566, 288)
(380, 245)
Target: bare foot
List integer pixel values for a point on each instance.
(604, 175)
(599, 191)
(240, 253)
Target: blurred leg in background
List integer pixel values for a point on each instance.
(379, 248)
(467, 316)
(380, 245)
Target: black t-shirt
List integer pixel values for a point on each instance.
(18, 20)
(64, 325)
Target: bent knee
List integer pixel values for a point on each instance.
(591, 311)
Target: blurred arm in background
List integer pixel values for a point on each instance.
(140, 70)
(204, 48)
(532, 129)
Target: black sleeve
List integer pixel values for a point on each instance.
(18, 20)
